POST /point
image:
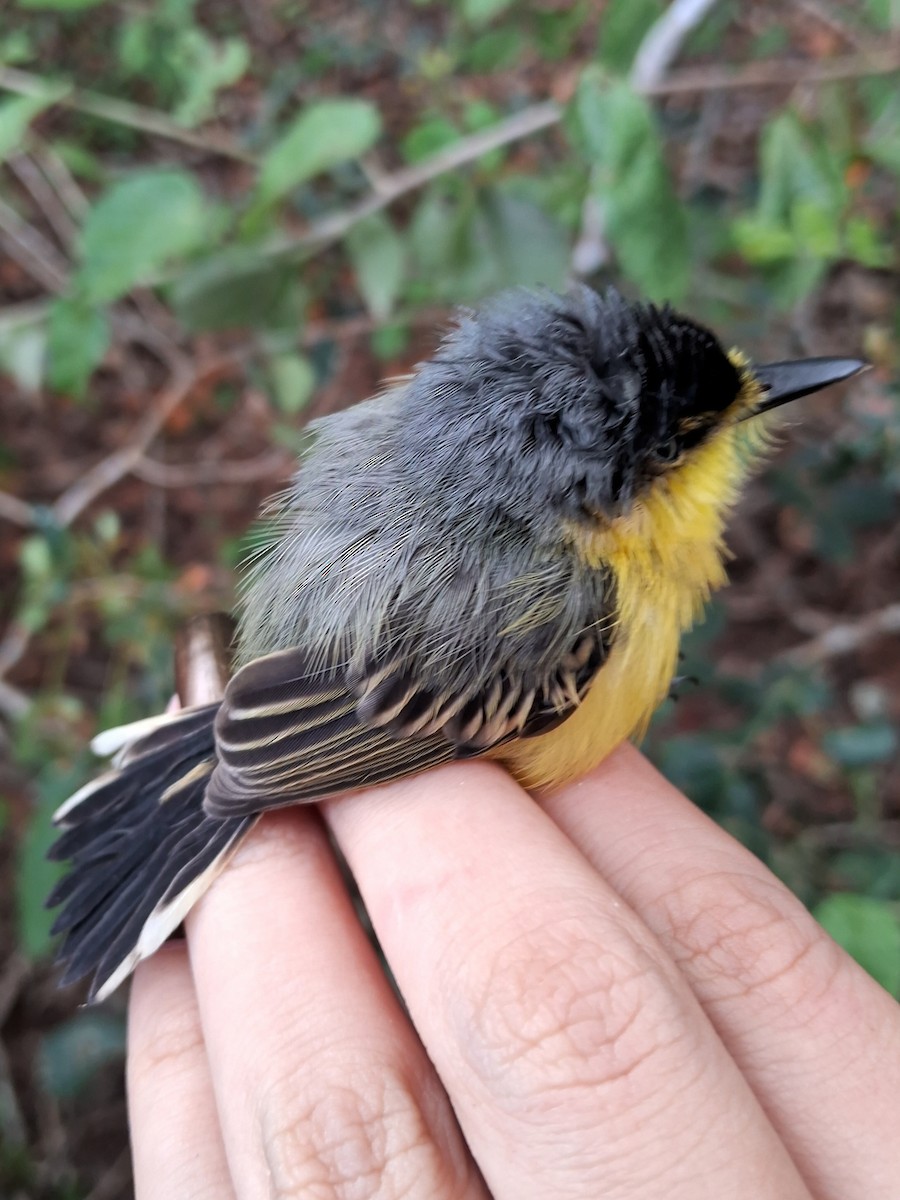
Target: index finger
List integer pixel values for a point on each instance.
(817, 1039)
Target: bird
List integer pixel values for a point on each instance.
(495, 557)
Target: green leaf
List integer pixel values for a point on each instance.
(237, 289)
(869, 930)
(17, 46)
(135, 228)
(17, 113)
(431, 232)
(761, 242)
(378, 255)
(293, 381)
(644, 220)
(207, 67)
(622, 30)
(864, 243)
(22, 353)
(792, 168)
(856, 746)
(78, 339)
(479, 12)
(325, 134)
(884, 14)
(556, 30)
(817, 230)
(881, 141)
(427, 138)
(35, 874)
(495, 50)
(390, 341)
(60, 5)
(529, 247)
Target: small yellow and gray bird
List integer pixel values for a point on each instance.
(495, 558)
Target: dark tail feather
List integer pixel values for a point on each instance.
(141, 851)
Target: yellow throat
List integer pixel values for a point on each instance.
(667, 555)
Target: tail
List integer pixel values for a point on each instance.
(142, 850)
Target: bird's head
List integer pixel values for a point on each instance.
(586, 405)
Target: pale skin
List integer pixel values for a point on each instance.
(607, 997)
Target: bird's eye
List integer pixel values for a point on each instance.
(668, 451)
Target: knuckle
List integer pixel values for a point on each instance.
(553, 1011)
(744, 934)
(361, 1134)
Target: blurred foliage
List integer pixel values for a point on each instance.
(245, 191)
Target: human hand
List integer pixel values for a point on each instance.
(607, 996)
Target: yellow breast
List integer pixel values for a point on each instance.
(666, 556)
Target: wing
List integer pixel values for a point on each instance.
(287, 732)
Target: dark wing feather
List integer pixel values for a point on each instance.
(287, 733)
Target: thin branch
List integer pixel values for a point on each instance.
(29, 312)
(331, 228)
(846, 637)
(108, 472)
(60, 178)
(203, 659)
(658, 50)
(537, 117)
(662, 42)
(122, 112)
(16, 511)
(15, 642)
(15, 974)
(835, 21)
(779, 73)
(208, 474)
(31, 250)
(45, 197)
(13, 704)
(12, 1120)
(115, 466)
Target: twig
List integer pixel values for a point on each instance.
(31, 250)
(16, 971)
(16, 511)
(116, 465)
(13, 703)
(658, 50)
(15, 642)
(60, 178)
(836, 22)
(779, 73)
(662, 42)
(29, 312)
(845, 638)
(108, 472)
(206, 474)
(122, 112)
(332, 228)
(773, 73)
(12, 1122)
(35, 181)
(203, 659)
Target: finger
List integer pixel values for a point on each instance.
(322, 1087)
(578, 1061)
(176, 1146)
(817, 1039)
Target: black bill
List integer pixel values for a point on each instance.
(784, 381)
